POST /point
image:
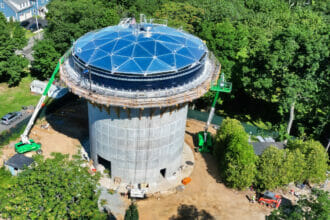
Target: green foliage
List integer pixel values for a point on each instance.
(181, 14)
(12, 99)
(301, 161)
(228, 41)
(132, 212)
(235, 155)
(315, 157)
(54, 188)
(278, 167)
(45, 59)
(12, 38)
(274, 53)
(6, 136)
(68, 20)
(315, 206)
(6, 180)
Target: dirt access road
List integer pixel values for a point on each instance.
(204, 196)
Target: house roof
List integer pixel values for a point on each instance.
(19, 161)
(259, 147)
(18, 2)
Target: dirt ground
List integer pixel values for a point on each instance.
(60, 132)
(205, 195)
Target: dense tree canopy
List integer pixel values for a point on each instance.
(301, 161)
(68, 20)
(316, 159)
(12, 38)
(55, 188)
(274, 51)
(45, 59)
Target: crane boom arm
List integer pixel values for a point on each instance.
(24, 136)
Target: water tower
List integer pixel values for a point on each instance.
(138, 79)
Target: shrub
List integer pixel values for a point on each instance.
(280, 167)
(236, 157)
(316, 159)
(132, 212)
(270, 168)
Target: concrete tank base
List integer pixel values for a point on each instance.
(137, 146)
(165, 186)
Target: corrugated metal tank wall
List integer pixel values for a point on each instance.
(138, 143)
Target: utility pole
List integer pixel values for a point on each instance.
(37, 19)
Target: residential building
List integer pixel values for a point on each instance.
(20, 10)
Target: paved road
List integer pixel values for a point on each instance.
(27, 50)
(25, 114)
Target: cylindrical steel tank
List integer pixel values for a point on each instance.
(138, 146)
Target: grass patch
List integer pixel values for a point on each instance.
(12, 99)
(5, 137)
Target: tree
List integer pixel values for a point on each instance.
(278, 167)
(13, 69)
(12, 38)
(235, 155)
(271, 172)
(315, 206)
(181, 14)
(315, 157)
(229, 43)
(68, 20)
(132, 212)
(45, 59)
(18, 34)
(54, 188)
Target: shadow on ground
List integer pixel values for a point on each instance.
(211, 163)
(190, 212)
(69, 116)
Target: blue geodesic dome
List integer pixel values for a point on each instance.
(120, 49)
(141, 51)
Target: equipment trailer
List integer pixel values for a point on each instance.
(204, 137)
(27, 144)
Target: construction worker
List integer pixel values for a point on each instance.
(253, 198)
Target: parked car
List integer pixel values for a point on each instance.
(33, 27)
(25, 23)
(10, 117)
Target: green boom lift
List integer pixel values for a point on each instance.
(204, 137)
(27, 144)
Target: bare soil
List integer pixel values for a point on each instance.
(59, 132)
(205, 195)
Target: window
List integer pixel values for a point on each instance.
(2, 5)
(42, 1)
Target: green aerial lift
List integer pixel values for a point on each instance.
(204, 137)
(27, 144)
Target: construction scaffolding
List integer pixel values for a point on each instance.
(107, 96)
